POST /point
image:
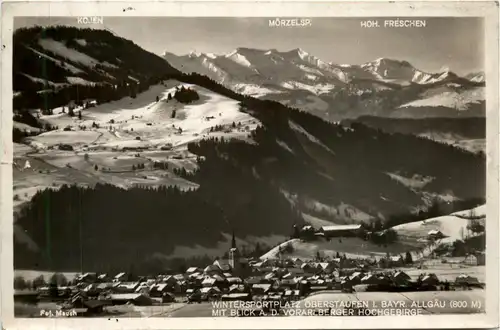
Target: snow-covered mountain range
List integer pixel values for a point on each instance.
(383, 87)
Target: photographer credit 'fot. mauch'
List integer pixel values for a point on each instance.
(178, 168)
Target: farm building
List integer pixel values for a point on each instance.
(326, 267)
(355, 278)
(430, 279)
(401, 278)
(261, 288)
(158, 290)
(291, 294)
(132, 298)
(297, 261)
(234, 280)
(466, 279)
(396, 261)
(127, 287)
(237, 288)
(341, 230)
(211, 291)
(477, 259)
(208, 282)
(435, 234)
(193, 270)
(370, 279)
(224, 265)
(212, 269)
(87, 277)
(308, 268)
(103, 278)
(120, 277)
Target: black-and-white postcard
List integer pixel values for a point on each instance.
(249, 165)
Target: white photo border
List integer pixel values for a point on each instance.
(272, 9)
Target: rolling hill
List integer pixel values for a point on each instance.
(412, 237)
(180, 161)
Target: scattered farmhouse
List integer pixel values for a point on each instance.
(341, 230)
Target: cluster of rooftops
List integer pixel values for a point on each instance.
(262, 279)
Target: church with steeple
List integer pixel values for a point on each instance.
(236, 261)
(233, 253)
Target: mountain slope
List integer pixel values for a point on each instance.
(238, 163)
(335, 92)
(57, 64)
(468, 133)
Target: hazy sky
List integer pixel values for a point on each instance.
(456, 43)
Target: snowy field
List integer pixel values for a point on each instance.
(111, 138)
(450, 225)
(451, 99)
(411, 237)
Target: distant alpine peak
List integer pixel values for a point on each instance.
(299, 51)
(476, 76)
(244, 51)
(194, 53)
(386, 62)
(444, 69)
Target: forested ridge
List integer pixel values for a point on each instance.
(468, 127)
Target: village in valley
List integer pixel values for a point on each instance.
(278, 277)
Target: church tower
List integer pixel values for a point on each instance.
(233, 253)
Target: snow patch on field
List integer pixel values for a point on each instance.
(67, 66)
(284, 146)
(451, 225)
(317, 89)
(25, 127)
(43, 81)
(79, 81)
(134, 79)
(344, 213)
(81, 42)
(67, 137)
(301, 130)
(417, 181)
(352, 247)
(71, 54)
(254, 90)
(451, 99)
